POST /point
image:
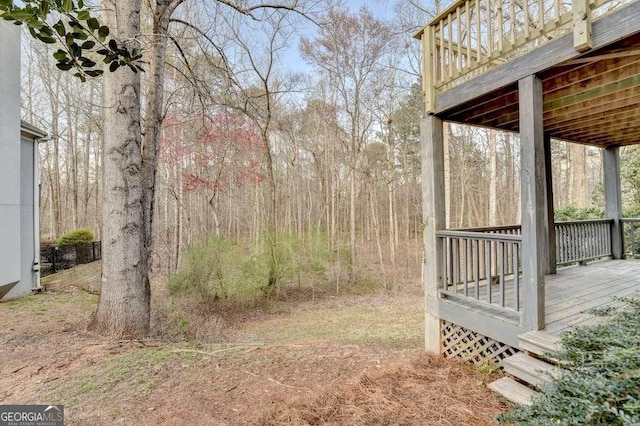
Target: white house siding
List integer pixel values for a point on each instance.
(10, 169)
(27, 274)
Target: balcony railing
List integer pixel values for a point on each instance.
(484, 265)
(582, 241)
(472, 36)
(631, 238)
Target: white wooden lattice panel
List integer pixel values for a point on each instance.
(473, 347)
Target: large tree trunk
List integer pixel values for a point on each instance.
(123, 307)
(154, 115)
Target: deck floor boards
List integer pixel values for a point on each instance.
(571, 293)
(575, 290)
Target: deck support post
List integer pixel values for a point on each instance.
(534, 212)
(613, 199)
(433, 215)
(550, 259)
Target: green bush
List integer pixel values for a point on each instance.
(214, 269)
(578, 213)
(599, 382)
(219, 268)
(77, 236)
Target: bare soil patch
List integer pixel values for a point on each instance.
(347, 360)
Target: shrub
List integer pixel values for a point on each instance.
(219, 268)
(214, 269)
(599, 382)
(77, 236)
(578, 213)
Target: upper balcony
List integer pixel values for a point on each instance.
(475, 51)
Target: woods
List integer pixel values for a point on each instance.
(219, 138)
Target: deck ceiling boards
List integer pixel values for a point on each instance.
(594, 99)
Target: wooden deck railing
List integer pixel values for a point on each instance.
(483, 267)
(631, 238)
(471, 36)
(581, 241)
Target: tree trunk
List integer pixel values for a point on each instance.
(153, 119)
(352, 222)
(123, 307)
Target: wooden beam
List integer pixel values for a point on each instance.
(492, 106)
(610, 124)
(572, 76)
(574, 107)
(593, 93)
(533, 187)
(590, 78)
(613, 199)
(596, 116)
(559, 85)
(612, 54)
(433, 214)
(428, 72)
(582, 36)
(613, 129)
(610, 101)
(607, 140)
(607, 30)
(485, 322)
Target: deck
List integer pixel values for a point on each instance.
(473, 61)
(577, 289)
(569, 295)
(544, 69)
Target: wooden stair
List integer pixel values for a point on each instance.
(539, 343)
(528, 370)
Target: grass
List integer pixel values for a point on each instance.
(47, 304)
(136, 369)
(396, 325)
(50, 301)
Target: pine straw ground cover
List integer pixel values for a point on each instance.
(428, 391)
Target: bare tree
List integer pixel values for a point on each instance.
(349, 49)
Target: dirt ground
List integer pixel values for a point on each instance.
(348, 360)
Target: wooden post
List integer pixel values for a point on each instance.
(433, 214)
(428, 77)
(534, 214)
(582, 38)
(613, 199)
(550, 264)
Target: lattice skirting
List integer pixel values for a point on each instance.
(459, 342)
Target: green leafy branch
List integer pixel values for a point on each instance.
(77, 31)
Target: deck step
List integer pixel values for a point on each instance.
(529, 369)
(539, 342)
(513, 391)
